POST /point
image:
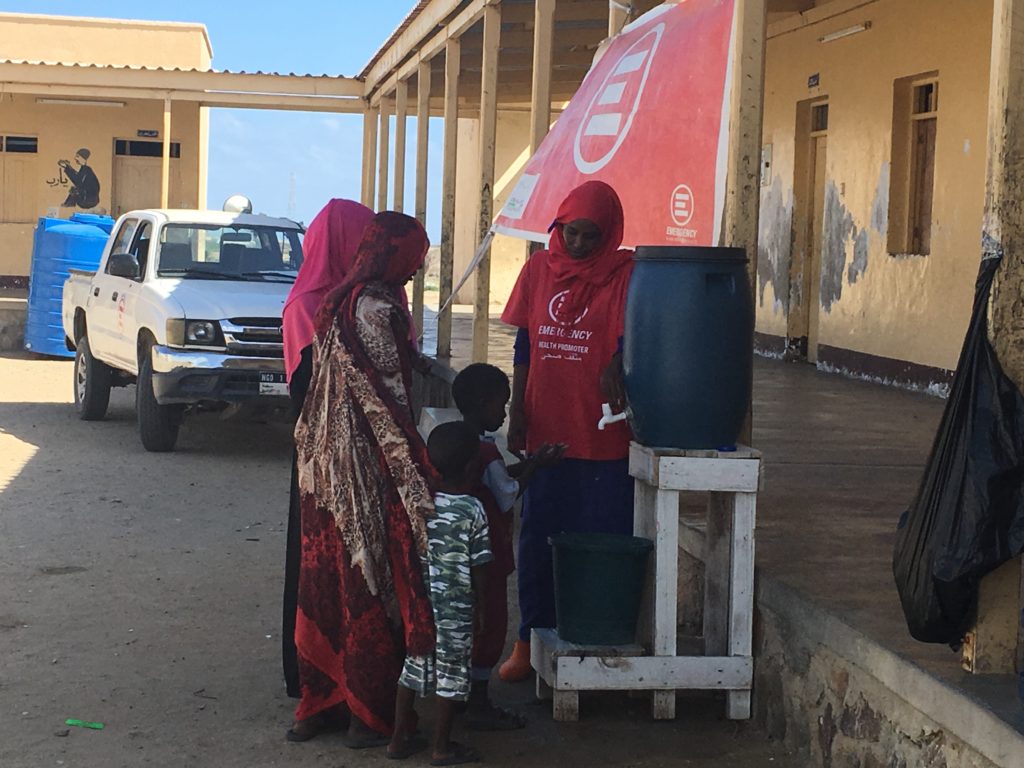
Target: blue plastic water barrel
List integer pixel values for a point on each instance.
(59, 245)
(688, 348)
(103, 222)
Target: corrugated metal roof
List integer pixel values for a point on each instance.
(128, 67)
(409, 19)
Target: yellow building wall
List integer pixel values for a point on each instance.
(112, 42)
(912, 308)
(64, 129)
(467, 185)
(508, 254)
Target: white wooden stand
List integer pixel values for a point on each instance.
(731, 481)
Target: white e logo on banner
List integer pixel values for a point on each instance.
(681, 205)
(610, 115)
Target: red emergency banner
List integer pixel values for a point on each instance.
(650, 119)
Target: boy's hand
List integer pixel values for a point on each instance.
(478, 576)
(549, 454)
(479, 622)
(422, 364)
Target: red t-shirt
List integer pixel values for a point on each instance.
(567, 357)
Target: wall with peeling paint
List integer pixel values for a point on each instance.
(912, 308)
(774, 244)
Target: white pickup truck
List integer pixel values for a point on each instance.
(186, 305)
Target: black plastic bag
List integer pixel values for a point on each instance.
(968, 516)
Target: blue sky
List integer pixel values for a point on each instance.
(264, 154)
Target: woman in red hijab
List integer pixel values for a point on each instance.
(329, 248)
(569, 305)
(363, 482)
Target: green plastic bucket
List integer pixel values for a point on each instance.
(599, 582)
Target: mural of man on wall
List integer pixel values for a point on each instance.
(85, 187)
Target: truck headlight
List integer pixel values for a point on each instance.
(200, 333)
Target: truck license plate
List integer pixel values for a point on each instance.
(273, 383)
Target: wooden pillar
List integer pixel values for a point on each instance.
(743, 191)
(990, 646)
(488, 140)
(452, 65)
(165, 162)
(385, 151)
(618, 16)
(401, 113)
(422, 156)
(364, 161)
(993, 641)
(1004, 188)
(369, 155)
(540, 106)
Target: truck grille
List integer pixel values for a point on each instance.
(253, 336)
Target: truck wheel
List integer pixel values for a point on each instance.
(92, 383)
(158, 424)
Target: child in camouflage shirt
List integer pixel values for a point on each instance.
(457, 549)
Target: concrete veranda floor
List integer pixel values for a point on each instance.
(843, 459)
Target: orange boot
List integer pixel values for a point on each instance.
(517, 666)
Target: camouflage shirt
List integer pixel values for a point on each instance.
(457, 540)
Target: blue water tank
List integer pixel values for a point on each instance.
(59, 245)
(688, 347)
(103, 222)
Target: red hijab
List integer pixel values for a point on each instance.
(329, 250)
(597, 202)
(391, 251)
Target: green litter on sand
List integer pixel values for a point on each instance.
(84, 724)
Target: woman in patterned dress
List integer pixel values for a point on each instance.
(364, 483)
(328, 251)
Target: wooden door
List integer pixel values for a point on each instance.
(19, 184)
(808, 210)
(815, 240)
(924, 176)
(136, 184)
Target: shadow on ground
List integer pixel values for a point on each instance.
(143, 591)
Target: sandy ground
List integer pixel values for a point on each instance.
(143, 591)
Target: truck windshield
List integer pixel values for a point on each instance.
(242, 252)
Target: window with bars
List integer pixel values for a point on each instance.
(819, 117)
(20, 144)
(135, 148)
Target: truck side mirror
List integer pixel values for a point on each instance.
(124, 265)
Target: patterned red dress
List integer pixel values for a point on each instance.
(364, 482)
